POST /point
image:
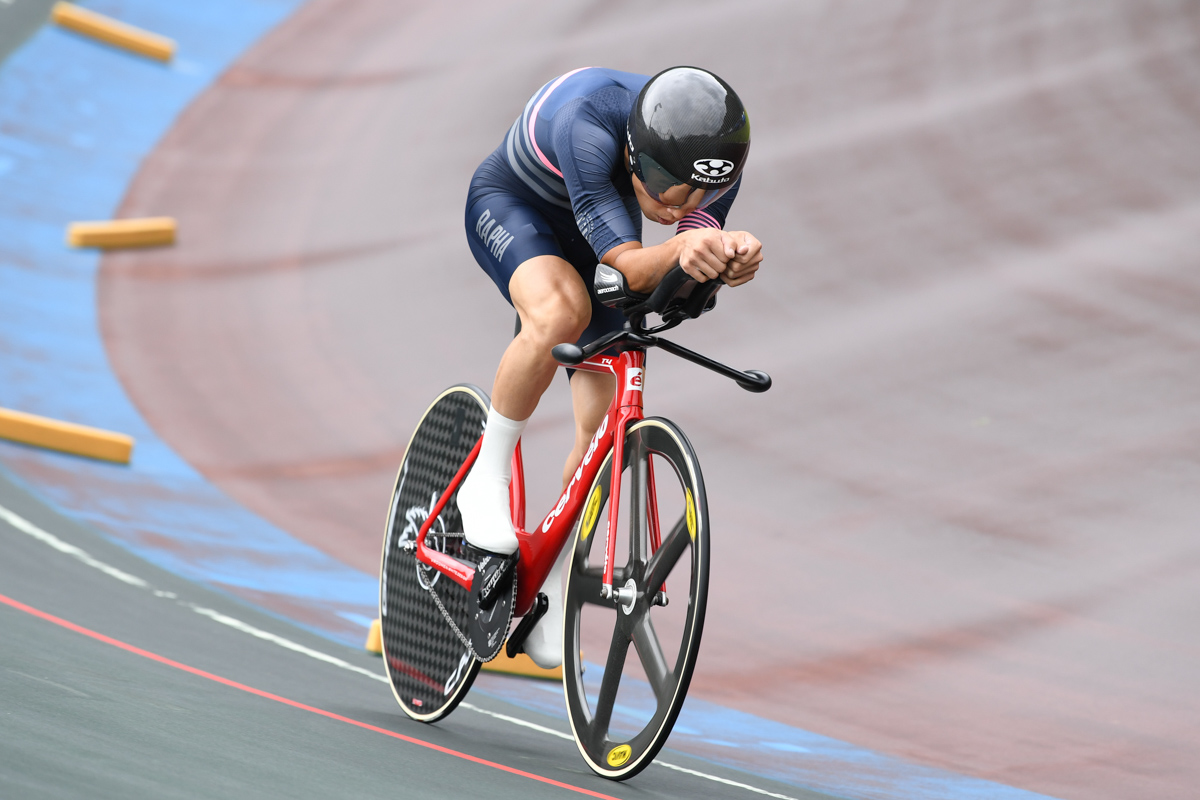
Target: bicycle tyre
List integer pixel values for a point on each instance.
(612, 753)
(429, 668)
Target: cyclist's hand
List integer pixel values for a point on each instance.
(745, 261)
(706, 252)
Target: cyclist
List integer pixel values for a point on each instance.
(593, 151)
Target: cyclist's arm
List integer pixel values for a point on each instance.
(714, 215)
(703, 253)
(699, 246)
(589, 156)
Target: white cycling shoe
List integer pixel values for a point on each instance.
(483, 496)
(487, 524)
(545, 642)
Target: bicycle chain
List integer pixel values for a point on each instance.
(466, 641)
(449, 619)
(463, 638)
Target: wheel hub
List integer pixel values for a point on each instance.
(626, 596)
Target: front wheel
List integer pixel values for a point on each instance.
(623, 713)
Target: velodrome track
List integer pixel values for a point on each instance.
(959, 531)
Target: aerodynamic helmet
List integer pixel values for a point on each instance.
(688, 126)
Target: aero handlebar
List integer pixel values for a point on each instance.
(677, 297)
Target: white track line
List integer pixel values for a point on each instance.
(25, 526)
(521, 722)
(717, 779)
(245, 627)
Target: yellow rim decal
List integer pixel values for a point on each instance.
(619, 755)
(593, 511)
(691, 515)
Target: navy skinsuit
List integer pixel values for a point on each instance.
(557, 185)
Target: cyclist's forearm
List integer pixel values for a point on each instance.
(643, 267)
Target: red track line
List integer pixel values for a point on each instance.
(243, 687)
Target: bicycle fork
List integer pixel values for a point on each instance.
(630, 373)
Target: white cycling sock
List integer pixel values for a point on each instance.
(483, 496)
(544, 644)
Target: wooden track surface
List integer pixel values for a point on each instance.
(961, 529)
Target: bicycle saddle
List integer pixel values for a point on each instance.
(678, 296)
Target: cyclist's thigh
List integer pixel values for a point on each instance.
(517, 247)
(549, 294)
(504, 231)
(603, 319)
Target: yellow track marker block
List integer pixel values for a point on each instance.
(68, 437)
(374, 639)
(145, 232)
(521, 665)
(110, 31)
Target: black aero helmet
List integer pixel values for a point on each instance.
(688, 126)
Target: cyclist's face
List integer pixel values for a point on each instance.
(677, 202)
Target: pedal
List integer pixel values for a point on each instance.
(516, 641)
(493, 574)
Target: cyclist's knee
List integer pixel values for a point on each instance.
(553, 303)
(555, 325)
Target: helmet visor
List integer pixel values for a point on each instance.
(658, 182)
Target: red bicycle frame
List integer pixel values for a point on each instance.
(540, 546)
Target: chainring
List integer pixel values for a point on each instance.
(487, 630)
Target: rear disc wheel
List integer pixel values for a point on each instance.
(429, 668)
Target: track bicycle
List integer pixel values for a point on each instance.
(439, 623)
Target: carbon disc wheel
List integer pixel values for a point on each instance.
(429, 668)
(624, 711)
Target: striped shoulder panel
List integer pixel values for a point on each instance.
(526, 158)
(528, 164)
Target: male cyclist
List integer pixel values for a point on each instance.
(593, 151)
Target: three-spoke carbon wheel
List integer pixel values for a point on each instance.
(429, 667)
(623, 712)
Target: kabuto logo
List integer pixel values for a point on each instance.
(713, 167)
